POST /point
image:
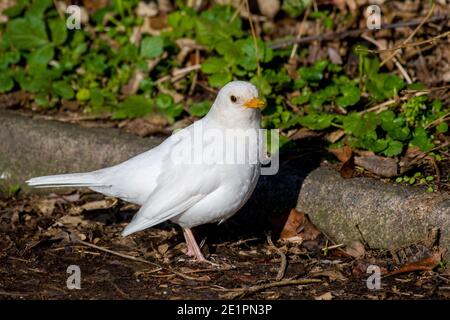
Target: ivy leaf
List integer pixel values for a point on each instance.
(152, 47)
(6, 82)
(217, 68)
(395, 126)
(295, 7)
(422, 140)
(248, 59)
(199, 109)
(350, 96)
(27, 33)
(310, 74)
(58, 31)
(442, 127)
(166, 104)
(394, 148)
(38, 7)
(133, 107)
(63, 89)
(41, 56)
(316, 121)
(8, 58)
(392, 85)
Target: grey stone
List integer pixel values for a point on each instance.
(33, 147)
(383, 215)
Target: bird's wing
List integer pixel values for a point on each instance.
(180, 185)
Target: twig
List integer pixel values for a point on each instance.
(352, 33)
(300, 32)
(283, 263)
(438, 121)
(185, 276)
(407, 45)
(253, 289)
(411, 35)
(333, 247)
(179, 73)
(384, 105)
(397, 63)
(255, 39)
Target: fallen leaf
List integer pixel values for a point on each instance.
(332, 275)
(46, 206)
(348, 168)
(382, 166)
(298, 228)
(428, 263)
(162, 249)
(106, 203)
(325, 296)
(343, 154)
(334, 136)
(355, 249)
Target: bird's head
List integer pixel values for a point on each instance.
(238, 101)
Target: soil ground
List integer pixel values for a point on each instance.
(39, 242)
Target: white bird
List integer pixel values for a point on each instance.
(170, 186)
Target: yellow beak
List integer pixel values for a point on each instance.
(254, 103)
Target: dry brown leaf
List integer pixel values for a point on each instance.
(334, 136)
(325, 296)
(355, 249)
(46, 206)
(162, 249)
(348, 168)
(72, 221)
(100, 204)
(332, 275)
(133, 85)
(425, 264)
(381, 166)
(298, 228)
(343, 154)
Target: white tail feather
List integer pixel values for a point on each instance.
(89, 179)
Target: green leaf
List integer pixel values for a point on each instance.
(213, 65)
(27, 33)
(63, 89)
(17, 9)
(83, 94)
(394, 148)
(396, 127)
(350, 96)
(248, 50)
(166, 104)
(8, 58)
(310, 74)
(219, 74)
(199, 109)
(6, 82)
(422, 140)
(133, 107)
(152, 47)
(58, 31)
(393, 85)
(41, 57)
(317, 121)
(38, 7)
(442, 127)
(97, 98)
(295, 7)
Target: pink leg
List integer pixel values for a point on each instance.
(192, 246)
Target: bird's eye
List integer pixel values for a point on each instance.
(233, 98)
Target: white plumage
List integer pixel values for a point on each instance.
(171, 185)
